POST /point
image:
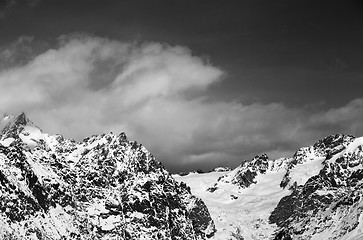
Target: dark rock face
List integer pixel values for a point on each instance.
(246, 173)
(105, 187)
(333, 144)
(330, 201)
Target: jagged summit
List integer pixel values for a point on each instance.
(21, 130)
(19, 120)
(104, 187)
(13, 126)
(22, 119)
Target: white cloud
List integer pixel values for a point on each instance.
(156, 93)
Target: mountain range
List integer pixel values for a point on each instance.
(108, 187)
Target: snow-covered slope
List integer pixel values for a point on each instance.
(232, 207)
(315, 194)
(105, 187)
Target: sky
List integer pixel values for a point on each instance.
(199, 83)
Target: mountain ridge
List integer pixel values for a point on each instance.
(104, 187)
(108, 187)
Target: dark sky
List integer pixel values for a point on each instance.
(304, 55)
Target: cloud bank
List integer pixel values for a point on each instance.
(158, 95)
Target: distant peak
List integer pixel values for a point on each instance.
(21, 119)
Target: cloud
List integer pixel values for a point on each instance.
(158, 95)
(345, 119)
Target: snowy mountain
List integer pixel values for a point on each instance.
(315, 194)
(105, 187)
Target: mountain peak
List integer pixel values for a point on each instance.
(14, 125)
(21, 119)
(21, 129)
